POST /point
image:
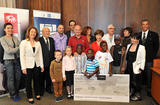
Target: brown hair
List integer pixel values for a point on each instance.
(72, 21)
(85, 29)
(57, 51)
(99, 32)
(28, 32)
(129, 29)
(144, 20)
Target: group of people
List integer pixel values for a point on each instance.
(56, 58)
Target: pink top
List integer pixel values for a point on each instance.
(68, 64)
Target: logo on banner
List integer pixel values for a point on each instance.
(12, 18)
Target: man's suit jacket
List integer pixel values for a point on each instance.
(28, 57)
(68, 33)
(48, 55)
(151, 45)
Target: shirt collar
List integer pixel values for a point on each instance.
(72, 33)
(145, 32)
(78, 38)
(45, 38)
(57, 61)
(60, 36)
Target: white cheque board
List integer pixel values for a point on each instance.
(113, 89)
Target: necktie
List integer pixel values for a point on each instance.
(143, 39)
(47, 43)
(144, 35)
(14, 45)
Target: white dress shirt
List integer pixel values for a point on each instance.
(146, 33)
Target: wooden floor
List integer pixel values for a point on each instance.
(49, 99)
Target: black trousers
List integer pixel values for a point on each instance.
(34, 74)
(136, 83)
(147, 75)
(69, 78)
(135, 79)
(45, 80)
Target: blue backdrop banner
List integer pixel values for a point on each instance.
(46, 19)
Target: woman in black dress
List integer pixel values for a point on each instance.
(133, 65)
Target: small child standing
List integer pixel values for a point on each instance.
(80, 60)
(92, 66)
(104, 58)
(69, 66)
(56, 75)
(116, 52)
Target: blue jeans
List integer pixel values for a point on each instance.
(13, 71)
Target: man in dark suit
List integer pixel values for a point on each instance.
(150, 40)
(48, 49)
(70, 33)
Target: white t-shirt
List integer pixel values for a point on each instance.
(109, 41)
(104, 58)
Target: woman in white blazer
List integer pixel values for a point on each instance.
(31, 62)
(133, 65)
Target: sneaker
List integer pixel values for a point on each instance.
(72, 94)
(69, 96)
(135, 98)
(138, 95)
(16, 99)
(58, 99)
(61, 98)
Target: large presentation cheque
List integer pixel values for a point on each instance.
(112, 89)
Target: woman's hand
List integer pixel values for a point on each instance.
(140, 70)
(24, 71)
(42, 69)
(64, 79)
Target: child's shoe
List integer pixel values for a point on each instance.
(69, 96)
(58, 99)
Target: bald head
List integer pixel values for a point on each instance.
(60, 29)
(46, 32)
(77, 30)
